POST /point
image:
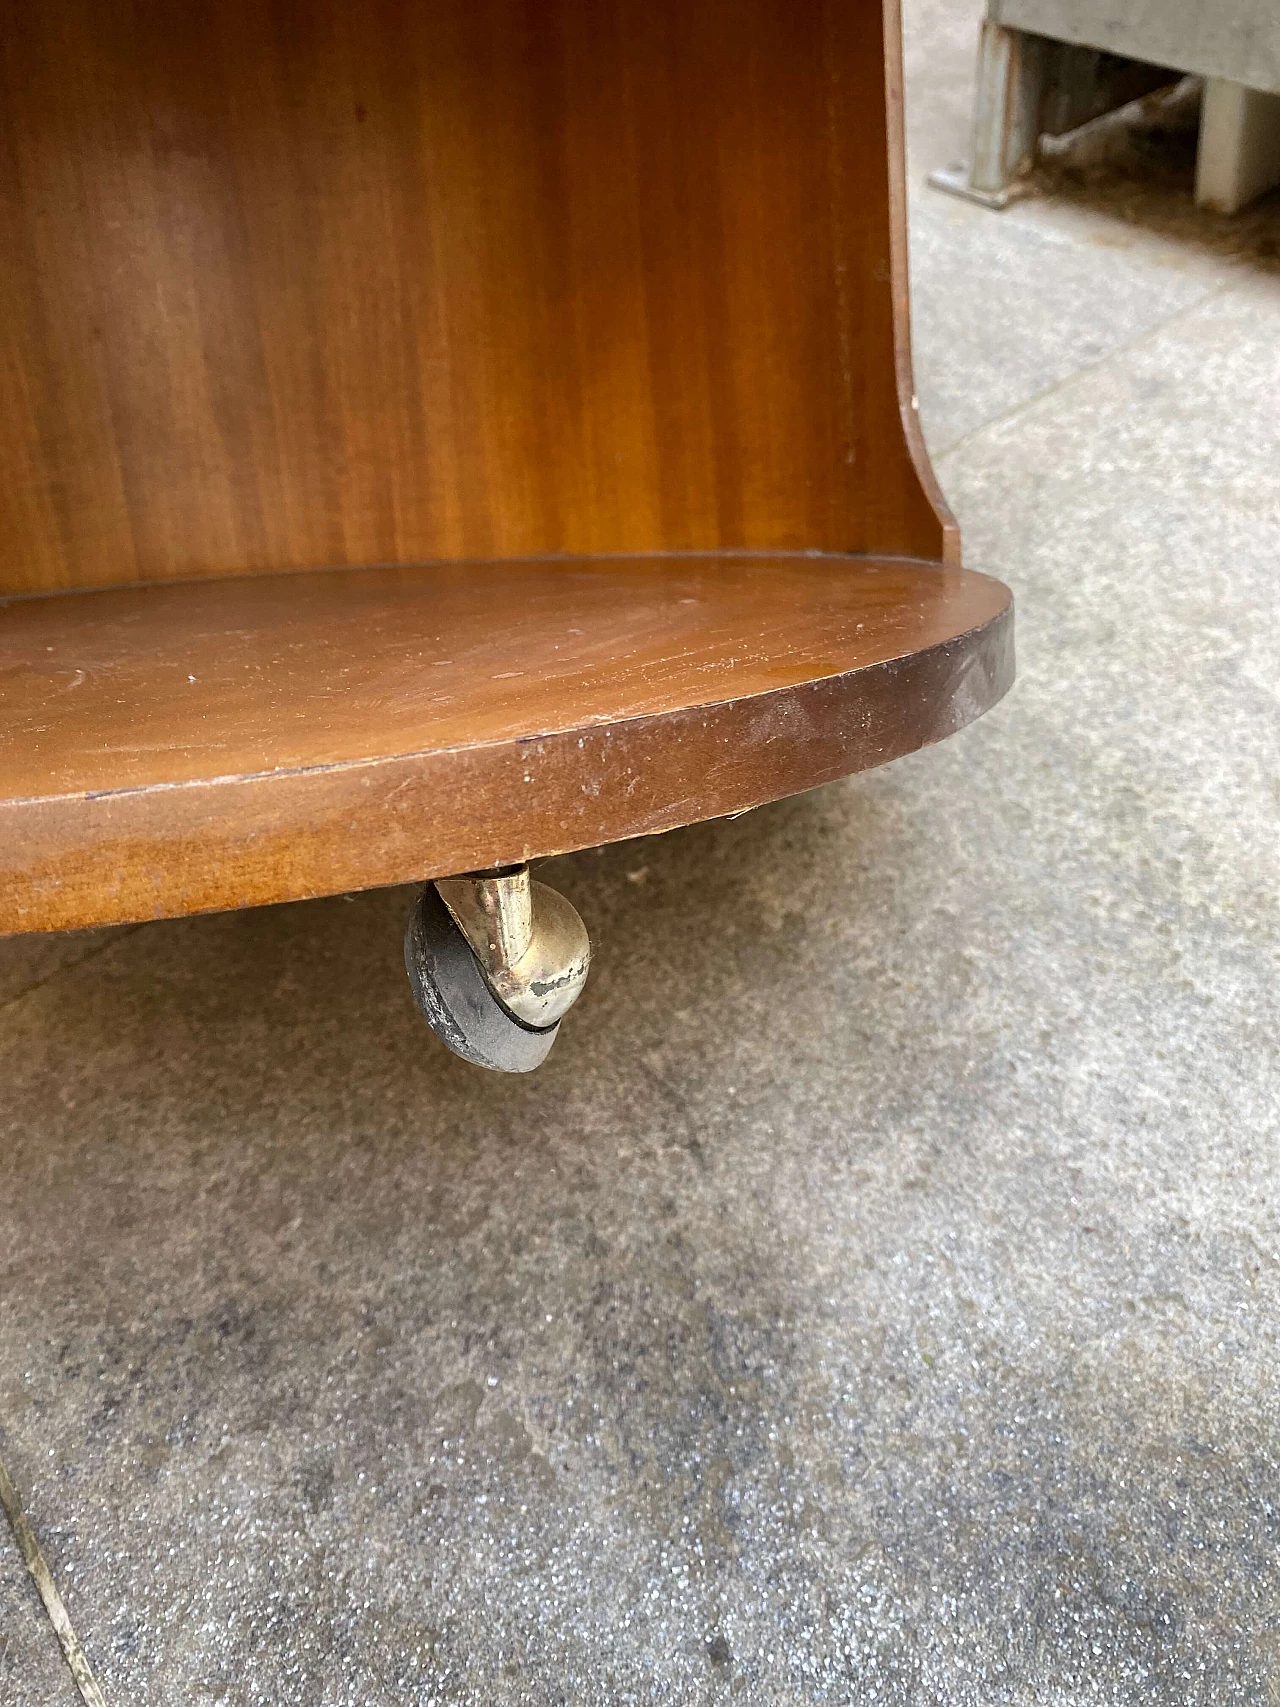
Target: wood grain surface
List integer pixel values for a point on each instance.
(207, 745)
(586, 320)
(287, 283)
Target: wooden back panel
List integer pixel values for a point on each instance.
(332, 282)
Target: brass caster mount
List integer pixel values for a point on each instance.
(496, 961)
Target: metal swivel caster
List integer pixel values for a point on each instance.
(496, 961)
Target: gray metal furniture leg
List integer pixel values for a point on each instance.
(1013, 74)
(1239, 154)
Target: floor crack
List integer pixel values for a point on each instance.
(34, 1559)
(67, 966)
(1067, 379)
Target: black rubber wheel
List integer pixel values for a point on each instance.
(455, 1000)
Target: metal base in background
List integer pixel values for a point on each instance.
(1029, 87)
(1238, 159)
(1008, 108)
(955, 181)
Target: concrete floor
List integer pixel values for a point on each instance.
(875, 1297)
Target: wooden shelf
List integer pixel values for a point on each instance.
(189, 747)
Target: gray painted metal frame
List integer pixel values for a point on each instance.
(1047, 66)
(1238, 40)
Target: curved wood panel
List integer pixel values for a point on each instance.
(368, 281)
(481, 291)
(176, 749)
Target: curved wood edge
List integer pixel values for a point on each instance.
(173, 850)
(899, 267)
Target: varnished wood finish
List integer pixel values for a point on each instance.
(169, 750)
(289, 283)
(585, 319)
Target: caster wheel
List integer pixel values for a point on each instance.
(495, 961)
